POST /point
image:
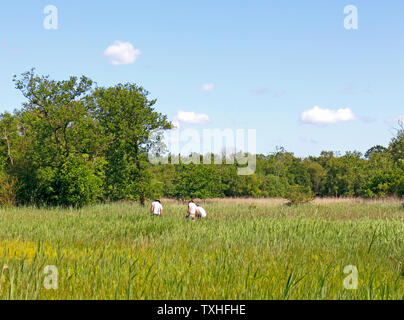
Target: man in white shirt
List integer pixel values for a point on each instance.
(192, 209)
(200, 212)
(156, 208)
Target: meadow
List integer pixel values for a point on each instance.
(246, 249)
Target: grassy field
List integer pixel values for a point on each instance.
(246, 249)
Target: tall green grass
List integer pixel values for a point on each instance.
(242, 251)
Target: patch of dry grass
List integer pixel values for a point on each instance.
(279, 201)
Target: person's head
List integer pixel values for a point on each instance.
(157, 201)
(192, 200)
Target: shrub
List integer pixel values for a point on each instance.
(7, 192)
(400, 187)
(76, 183)
(274, 186)
(299, 194)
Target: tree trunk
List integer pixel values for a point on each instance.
(8, 148)
(139, 168)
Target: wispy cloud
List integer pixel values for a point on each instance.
(397, 119)
(121, 53)
(279, 93)
(319, 116)
(192, 117)
(368, 119)
(259, 90)
(262, 90)
(208, 87)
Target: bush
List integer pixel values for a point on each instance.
(274, 186)
(7, 192)
(299, 194)
(75, 184)
(400, 187)
(78, 184)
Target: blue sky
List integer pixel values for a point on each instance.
(265, 61)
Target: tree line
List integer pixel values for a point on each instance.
(73, 143)
(377, 174)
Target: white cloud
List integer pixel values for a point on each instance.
(192, 117)
(320, 116)
(208, 87)
(121, 53)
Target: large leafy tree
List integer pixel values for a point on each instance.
(127, 118)
(55, 117)
(396, 146)
(374, 151)
(317, 175)
(59, 139)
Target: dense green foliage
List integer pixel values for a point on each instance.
(379, 175)
(73, 144)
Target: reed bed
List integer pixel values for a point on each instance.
(246, 249)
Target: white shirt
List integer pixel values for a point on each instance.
(202, 212)
(157, 207)
(192, 208)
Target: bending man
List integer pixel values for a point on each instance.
(200, 212)
(192, 208)
(156, 208)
